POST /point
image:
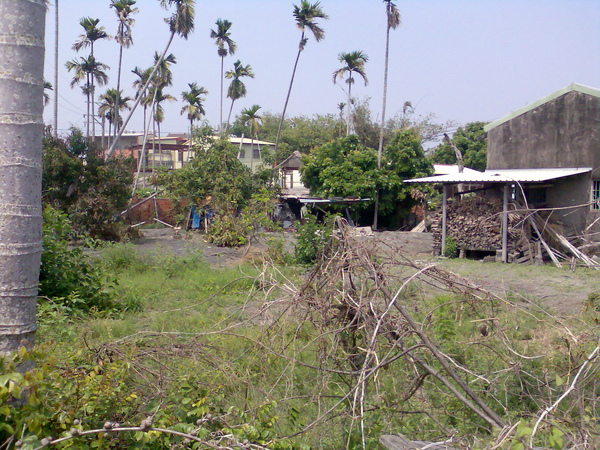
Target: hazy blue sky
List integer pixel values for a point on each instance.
(462, 60)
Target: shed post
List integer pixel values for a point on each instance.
(505, 224)
(444, 218)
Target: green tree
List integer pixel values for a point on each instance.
(346, 167)
(471, 140)
(214, 175)
(181, 22)
(354, 63)
(251, 117)
(21, 126)
(92, 33)
(225, 46)
(306, 16)
(194, 106)
(392, 22)
(237, 88)
(124, 10)
(93, 72)
(112, 103)
(80, 183)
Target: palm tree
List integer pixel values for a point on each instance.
(111, 104)
(193, 105)
(237, 89)
(90, 70)
(354, 63)
(47, 87)
(124, 10)
(225, 46)
(159, 97)
(91, 34)
(249, 116)
(56, 30)
(306, 15)
(393, 21)
(181, 22)
(20, 170)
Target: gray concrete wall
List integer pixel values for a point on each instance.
(566, 193)
(564, 132)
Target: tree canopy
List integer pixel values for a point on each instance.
(472, 143)
(347, 168)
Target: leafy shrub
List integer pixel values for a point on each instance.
(232, 230)
(277, 253)
(451, 248)
(66, 276)
(312, 237)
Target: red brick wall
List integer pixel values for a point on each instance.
(161, 208)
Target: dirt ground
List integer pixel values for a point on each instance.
(562, 290)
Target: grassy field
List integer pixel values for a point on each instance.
(259, 355)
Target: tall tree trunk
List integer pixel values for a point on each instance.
(221, 113)
(382, 128)
(349, 114)
(118, 99)
(55, 68)
(229, 115)
(87, 96)
(287, 99)
(22, 26)
(139, 99)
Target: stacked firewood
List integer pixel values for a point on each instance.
(475, 223)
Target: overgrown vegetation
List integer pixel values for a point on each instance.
(78, 182)
(347, 168)
(69, 281)
(257, 357)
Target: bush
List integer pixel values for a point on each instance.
(451, 248)
(312, 238)
(66, 276)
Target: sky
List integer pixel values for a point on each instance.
(460, 60)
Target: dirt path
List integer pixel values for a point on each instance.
(560, 289)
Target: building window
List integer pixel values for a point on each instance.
(242, 153)
(536, 196)
(256, 153)
(596, 194)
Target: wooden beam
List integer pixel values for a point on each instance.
(444, 217)
(505, 223)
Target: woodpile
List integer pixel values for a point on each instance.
(475, 223)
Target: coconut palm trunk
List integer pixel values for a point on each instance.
(287, 98)
(56, 68)
(22, 25)
(182, 23)
(393, 21)
(139, 99)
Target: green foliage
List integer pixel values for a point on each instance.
(214, 175)
(66, 276)
(231, 230)
(312, 239)
(241, 200)
(346, 168)
(451, 248)
(277, 253)
(79, 182)
(471, 141)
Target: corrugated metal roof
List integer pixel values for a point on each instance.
(504, 176)
(445, 169)
(572, 87)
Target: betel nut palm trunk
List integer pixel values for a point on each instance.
(22, 25)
